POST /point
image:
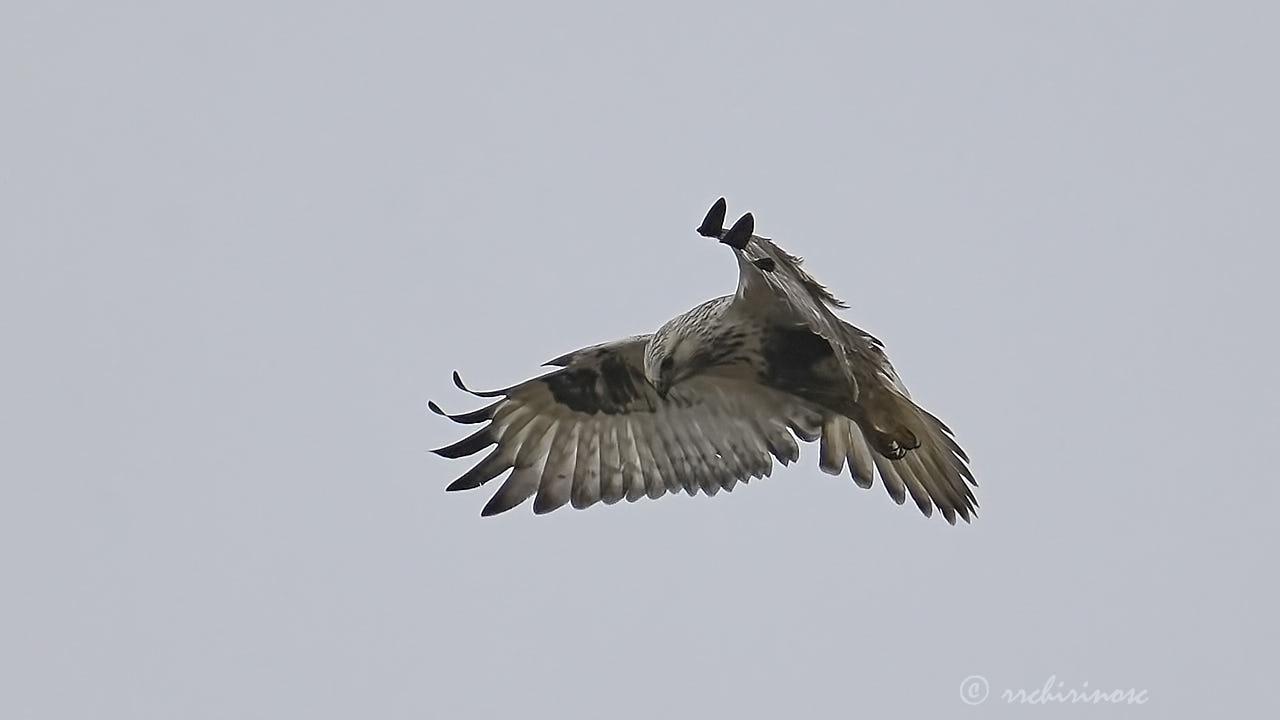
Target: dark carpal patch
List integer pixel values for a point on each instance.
(790, 359)
(613, 387)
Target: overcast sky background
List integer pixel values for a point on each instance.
(243, 245)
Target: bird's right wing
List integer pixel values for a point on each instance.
(594, 429)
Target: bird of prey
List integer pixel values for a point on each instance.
(711, 398)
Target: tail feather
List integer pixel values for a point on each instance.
(910, 450)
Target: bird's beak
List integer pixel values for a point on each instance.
(662, 383)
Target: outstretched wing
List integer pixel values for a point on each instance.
(773, 281)
(595, 430)
(914, 451)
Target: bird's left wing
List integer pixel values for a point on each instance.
(920, 447)
(594, 429)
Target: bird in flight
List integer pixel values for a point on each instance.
(711, 398)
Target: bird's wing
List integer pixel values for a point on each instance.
(913, 451)
(595, 430)
(772, 280)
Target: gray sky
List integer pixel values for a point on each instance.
(244, 244)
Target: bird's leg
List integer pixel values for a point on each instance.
(889, 438)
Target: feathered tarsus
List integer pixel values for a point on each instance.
(711, 399)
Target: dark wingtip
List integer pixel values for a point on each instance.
(740, 234)
(457, 380)
(469, 445)
(468, 418)
(497, 504)
(713, 224)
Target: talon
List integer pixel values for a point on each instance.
(888, 446)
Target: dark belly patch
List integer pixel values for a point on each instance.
(797, 361)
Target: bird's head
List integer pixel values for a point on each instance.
(672, 355)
